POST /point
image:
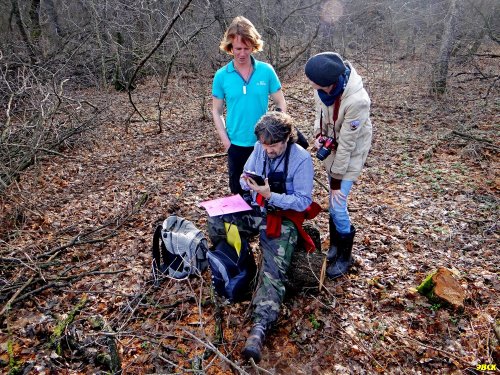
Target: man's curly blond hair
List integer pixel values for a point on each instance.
(246, 30)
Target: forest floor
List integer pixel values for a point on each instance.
(76, 233)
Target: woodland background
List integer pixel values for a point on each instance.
(105, 130)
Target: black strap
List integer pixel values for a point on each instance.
(156, 248)
(287, 156)
(302, 140)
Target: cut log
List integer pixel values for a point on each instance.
(304, 273)
(442, 287)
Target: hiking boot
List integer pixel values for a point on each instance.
(344, 256)
(253, 346)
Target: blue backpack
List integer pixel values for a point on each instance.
(232, 275)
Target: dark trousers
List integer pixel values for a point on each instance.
(236, 159)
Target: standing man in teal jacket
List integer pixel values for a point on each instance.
(244, 86)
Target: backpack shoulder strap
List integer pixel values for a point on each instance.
(287, 157)
(156, 248)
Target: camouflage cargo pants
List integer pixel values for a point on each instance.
(276, 258)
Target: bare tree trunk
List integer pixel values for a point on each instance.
(410, 42)
(141, 63)
(124, 65)
(219, 14)
(52, 27)
(449, 35)
(22, 29)
(101, 38)
(36, 30)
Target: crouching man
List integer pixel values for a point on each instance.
(280, 206)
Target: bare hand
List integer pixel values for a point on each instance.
(318, 143)
(336, 196)
(263, 190)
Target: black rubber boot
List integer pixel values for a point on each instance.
(331, 256)
(253, 346)
(344, 255)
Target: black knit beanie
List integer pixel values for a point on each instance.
(325, 68)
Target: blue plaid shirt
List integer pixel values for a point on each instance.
(299, 179)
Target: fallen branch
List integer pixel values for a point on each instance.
(55, 338)
(81, 239)
(490, 88)
(14, 296)
(258, 369)
(219, 316)
(427, 154)
(112, 360)
(214, 349)
(472, 137)
(457, 358)
(57, 282)
(208, 156)
(321, 184)
(492, 55)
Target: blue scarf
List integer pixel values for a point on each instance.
(329, 99)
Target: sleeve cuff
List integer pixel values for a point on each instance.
(335, 184)
(269, 200)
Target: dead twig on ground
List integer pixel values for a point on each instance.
(55, 338)
(450, 355)
(56, 282)
(80, 239)
(479, 139)
(427, 153)
(216, 351)
(209, 156)
(318, 181)
(14, 296)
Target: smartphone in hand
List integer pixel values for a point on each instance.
(259, 180)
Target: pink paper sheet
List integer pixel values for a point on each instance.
(225, 205)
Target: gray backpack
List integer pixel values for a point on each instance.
(179, 249)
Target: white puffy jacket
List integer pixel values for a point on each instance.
(353, 129)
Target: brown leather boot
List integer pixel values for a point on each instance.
(253, 346)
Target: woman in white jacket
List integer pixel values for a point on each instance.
(343, 137)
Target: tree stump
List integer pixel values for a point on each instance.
(442, 287)
(305, 269)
